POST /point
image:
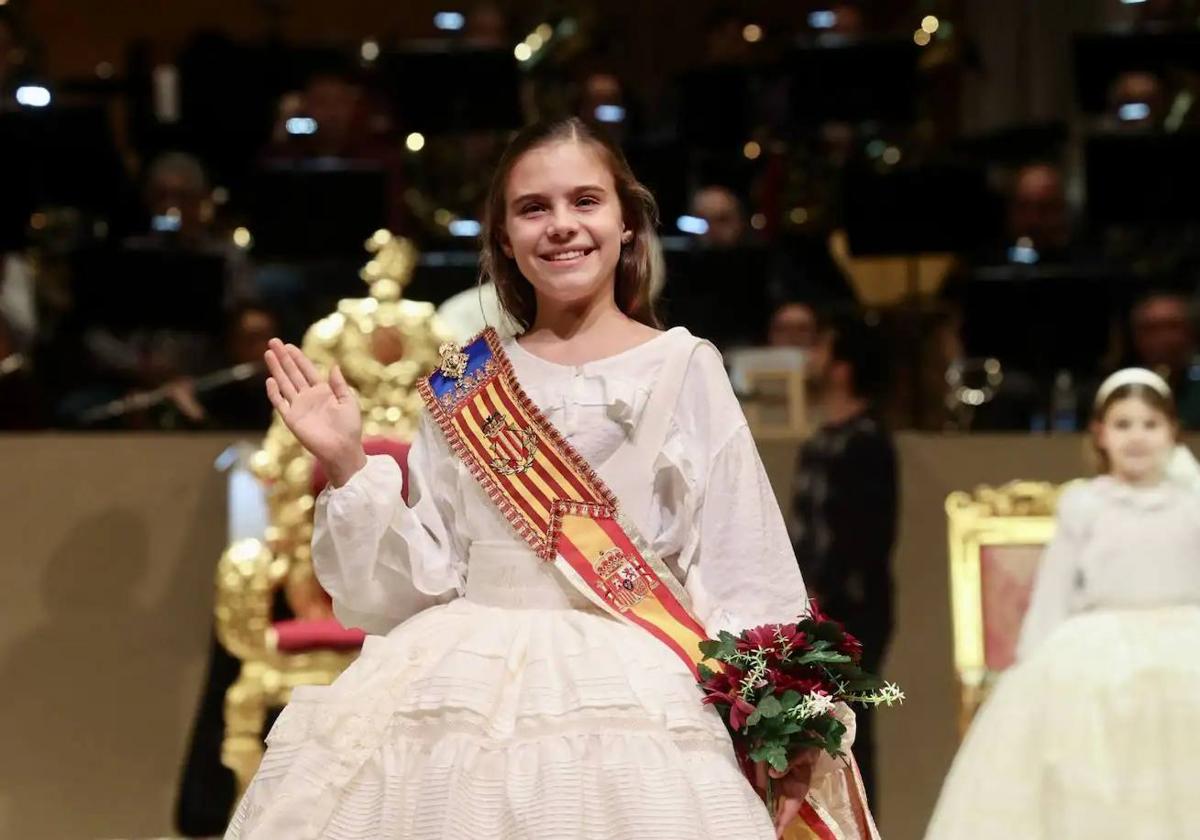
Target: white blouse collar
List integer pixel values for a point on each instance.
(617, 382)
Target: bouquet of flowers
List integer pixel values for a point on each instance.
(776, 686)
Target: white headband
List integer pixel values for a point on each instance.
(1132, 376)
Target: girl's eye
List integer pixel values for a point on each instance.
(1122, 424)
(530, 208)
(588, 201)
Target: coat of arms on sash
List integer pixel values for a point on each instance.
(453, 361)
(623, 578)
(512, 449)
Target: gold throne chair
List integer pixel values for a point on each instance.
(997, 536)
(383, 344)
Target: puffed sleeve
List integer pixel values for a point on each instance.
(383, 561)
(1055, 589)
(738, 562)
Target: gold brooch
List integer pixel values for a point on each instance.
(454, 361)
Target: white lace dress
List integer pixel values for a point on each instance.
(1095, 733)
(500, 704)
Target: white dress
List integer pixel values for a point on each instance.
(1095, 732)
(500, 703)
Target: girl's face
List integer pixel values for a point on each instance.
(1137, 438)
(562, 222)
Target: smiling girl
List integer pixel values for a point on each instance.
(1095, 732)
(585, 501)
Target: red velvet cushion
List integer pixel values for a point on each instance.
(374, 446)
(297, 636)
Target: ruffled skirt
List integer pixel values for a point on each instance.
(1095, 736)
(516, 713)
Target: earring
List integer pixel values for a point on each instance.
(627, 237)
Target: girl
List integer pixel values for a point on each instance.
(498, 700)
(1095, 732)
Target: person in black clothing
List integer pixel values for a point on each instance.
(844, 509)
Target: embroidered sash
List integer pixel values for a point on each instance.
(552, 497)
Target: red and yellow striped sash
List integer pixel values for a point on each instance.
(552, 497)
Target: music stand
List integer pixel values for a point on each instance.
(1143, 179)
(720, 293)
(438, 88)
(56, 156)
(150, 288)
(868, 79)
(719, 106)
(663, 168)
(1040, 319)
(321, 209)
(937, 208)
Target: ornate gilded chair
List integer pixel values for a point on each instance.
(997, 535)
(383, 344)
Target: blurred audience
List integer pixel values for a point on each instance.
(1137, 101)
(793, 324)
(239, 403)
(486, 27)
(341, 115)
(1162, 330)
(722, 212)
(341, 122)
(179, 203)
(1038, 213)
(118, 361)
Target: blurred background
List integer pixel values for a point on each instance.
(178, 183)
(1004, 189)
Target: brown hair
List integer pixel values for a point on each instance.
(638, 266)
(1150, 396)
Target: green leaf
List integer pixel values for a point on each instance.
(754, 717)
(705, 672)
(790, 699)
(822, 656)
(759, 753)
(709, 648)
(777, 757)
(770, 707)
(774, 753)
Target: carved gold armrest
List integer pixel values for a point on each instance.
(247, 576)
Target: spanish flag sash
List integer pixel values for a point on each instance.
(560, 507)
(552, 497)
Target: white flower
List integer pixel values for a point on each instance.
(814, 704)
